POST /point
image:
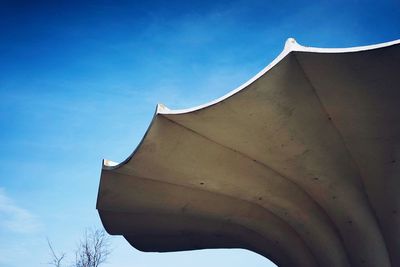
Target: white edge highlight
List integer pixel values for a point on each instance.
(290, 46)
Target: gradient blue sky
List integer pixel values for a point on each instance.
(79, 81)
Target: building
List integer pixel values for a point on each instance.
(300, 164)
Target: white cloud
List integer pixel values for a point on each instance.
(14, 218)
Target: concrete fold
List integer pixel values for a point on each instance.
(300, 164)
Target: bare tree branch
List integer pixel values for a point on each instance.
(55, 259)
(93, 250)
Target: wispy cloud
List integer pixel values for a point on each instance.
(14, 218)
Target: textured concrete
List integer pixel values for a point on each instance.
(301, 164)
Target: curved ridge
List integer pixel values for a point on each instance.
(291, 45)
(274, 99)
(179, 206)
(351, 156)
(367, 118)
(329, 248)
(319, 209)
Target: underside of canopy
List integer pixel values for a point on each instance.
(301, 164)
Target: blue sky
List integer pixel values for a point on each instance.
(79, 81)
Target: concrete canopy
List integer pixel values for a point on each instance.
(301, 164)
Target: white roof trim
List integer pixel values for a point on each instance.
(290, 46)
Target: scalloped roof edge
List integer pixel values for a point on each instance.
(291, 45)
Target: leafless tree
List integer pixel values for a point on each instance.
(56, 259)
(92, 250)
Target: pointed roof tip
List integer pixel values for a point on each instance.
(291, 44)
(161, 108)
(109, 163)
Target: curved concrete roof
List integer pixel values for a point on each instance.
(301, 164)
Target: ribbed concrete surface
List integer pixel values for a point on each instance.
(301, 165)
